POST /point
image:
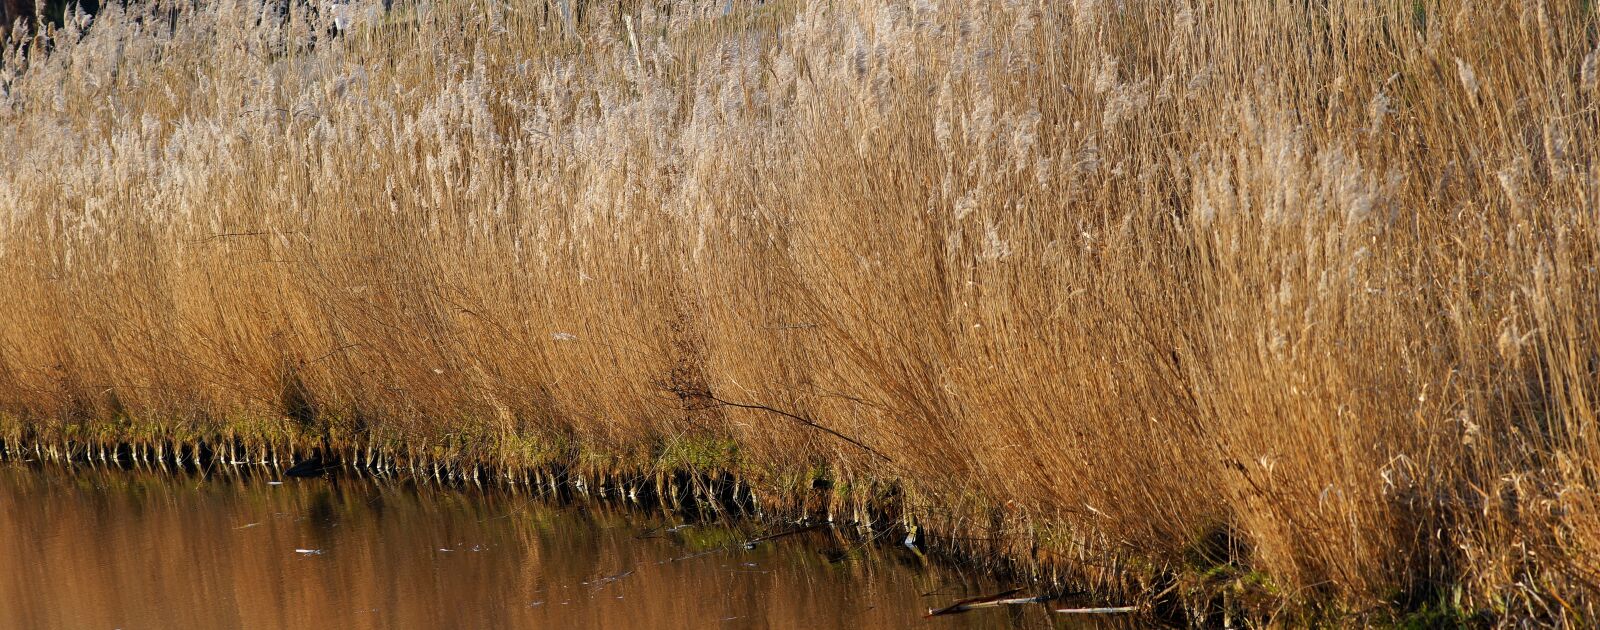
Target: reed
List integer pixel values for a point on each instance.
(1295, 302)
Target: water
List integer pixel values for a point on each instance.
(87, 548)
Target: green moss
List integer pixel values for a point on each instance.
(531, 451)
(1443, 609)
(698, 453)
(1438, 615)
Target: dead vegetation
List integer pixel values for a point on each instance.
(1294, 302)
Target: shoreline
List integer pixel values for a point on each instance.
(693, 494)
(724, 494)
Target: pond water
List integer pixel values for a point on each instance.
(98, 548)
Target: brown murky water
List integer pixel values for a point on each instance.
(87, 548)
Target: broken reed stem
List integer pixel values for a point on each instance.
(804, 421)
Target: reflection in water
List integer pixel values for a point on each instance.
(89, 548)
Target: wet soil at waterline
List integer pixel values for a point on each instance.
(85, 547)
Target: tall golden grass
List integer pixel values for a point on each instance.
(1299, 298)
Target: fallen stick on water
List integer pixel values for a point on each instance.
(799, 530)
(1003, 598)
(1098, 611)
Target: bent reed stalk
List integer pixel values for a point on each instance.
(1284, 308)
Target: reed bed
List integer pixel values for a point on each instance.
(1287, 310)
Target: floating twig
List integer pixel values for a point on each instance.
(1112, 610)
(606, 581)
(799, 530)
(1003, 598)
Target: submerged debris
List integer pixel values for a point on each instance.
(314, 466)
(605, 581)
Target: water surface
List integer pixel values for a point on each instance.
(96, 548)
